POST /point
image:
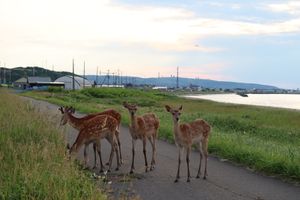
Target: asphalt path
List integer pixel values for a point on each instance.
(225, 180)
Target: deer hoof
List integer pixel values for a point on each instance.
(176, 180)
(188, 180)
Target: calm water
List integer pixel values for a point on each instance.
(274, 100)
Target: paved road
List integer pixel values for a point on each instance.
(225, 180)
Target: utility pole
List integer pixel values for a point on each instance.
(108, 77)
(4, 76)
(97, 76)
(10, 74)
(84, 74)
(73, 77)
(177, 79)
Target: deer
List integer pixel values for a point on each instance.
(143, 127)
(187, 134)
(95, 129)
(79, 123)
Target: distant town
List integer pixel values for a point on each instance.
(31, 78)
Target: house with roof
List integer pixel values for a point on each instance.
(36, 82)
(79, 82)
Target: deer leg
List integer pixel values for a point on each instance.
(98, 147)
(95, 155)
(119, 145)
(145, 154)
(152, 141)
(179, 161)
(117, 153)
(205, 151)
(133, 152)
(188, 163)
(201, 156)
(85, 156)
(111, 154)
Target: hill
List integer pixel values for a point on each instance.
(11, 75)
(183, 82)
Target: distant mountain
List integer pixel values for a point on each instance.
(183, 82)
(7, 75)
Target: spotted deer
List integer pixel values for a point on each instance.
(143, 127)
(95, 129)
(79, 123)
(187, 134)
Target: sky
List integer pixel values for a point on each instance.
(254, 41)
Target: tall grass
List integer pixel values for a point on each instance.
(265, 139)
(32, 157)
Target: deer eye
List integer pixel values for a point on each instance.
(179, 114)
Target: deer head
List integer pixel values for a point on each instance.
(175, 112)
(132, 108)
(65, 111)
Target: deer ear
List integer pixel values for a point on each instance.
(168, 108)
(180, 108)
(125, 104)
(61, 110)
(72, 110)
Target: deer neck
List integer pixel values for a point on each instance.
(134, 123)
(176, 129)
(74, 121)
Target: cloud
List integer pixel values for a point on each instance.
(291, 7)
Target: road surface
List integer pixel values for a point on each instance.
(225, 180)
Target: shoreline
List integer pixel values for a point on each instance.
(264, 100)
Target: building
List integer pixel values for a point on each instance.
(21, 83)
(36, 82)
(79, 82)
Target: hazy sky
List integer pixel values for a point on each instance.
(250, 41)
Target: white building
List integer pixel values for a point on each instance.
(68, 80)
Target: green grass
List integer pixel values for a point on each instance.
(32, 156)
(264, 139)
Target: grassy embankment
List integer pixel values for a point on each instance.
(32, 157)
(264, 139)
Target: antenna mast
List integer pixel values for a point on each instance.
(177, 79)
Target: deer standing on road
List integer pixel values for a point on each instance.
(95, 129)
(79, 123)
(143, 127)
(187, 134)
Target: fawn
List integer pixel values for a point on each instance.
(78, 123)
(187, 134)
(143, 127)
(95, 129)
